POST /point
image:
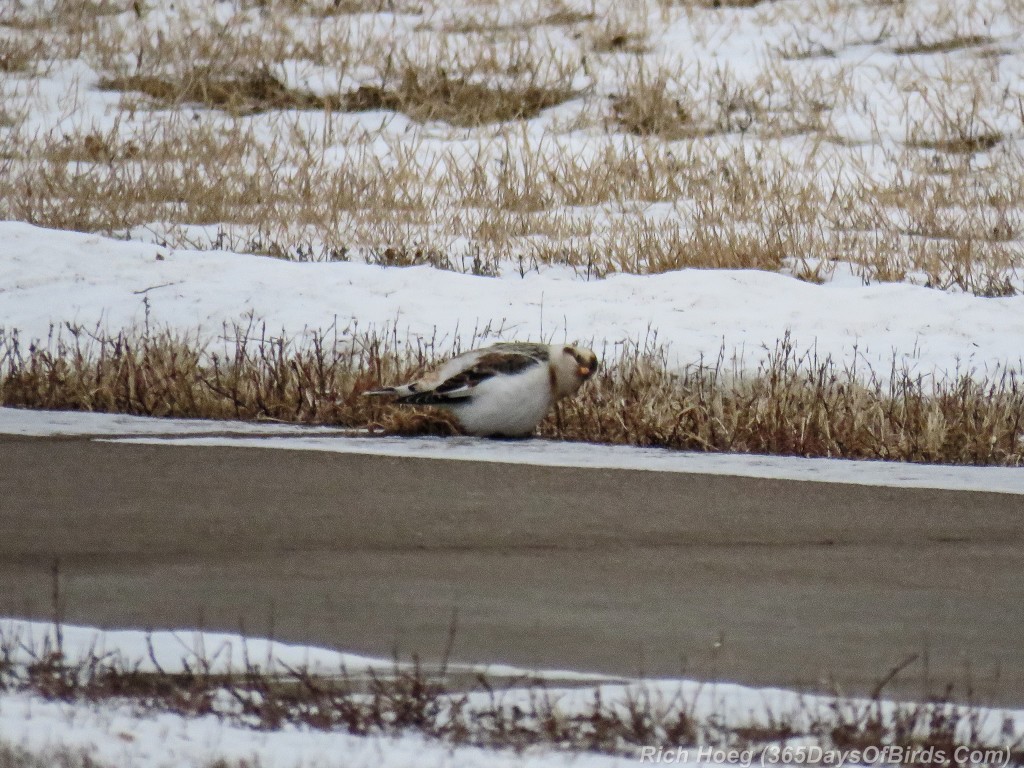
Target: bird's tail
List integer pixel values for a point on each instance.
(378, 392)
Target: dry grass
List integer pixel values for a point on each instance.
(674, 104)
(798, 404)
(956, 43)
(436, 96)
(963, 145)
(248, 93)
(794, 404)
(107, 182)
(491, 19)
(290, 202)
(18, 54)
(653, 112)
(420, 96)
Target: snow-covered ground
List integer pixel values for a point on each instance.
(116, 732)
(115, 735)
(49, 278)
(269, 436)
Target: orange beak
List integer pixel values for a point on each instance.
(583, 371)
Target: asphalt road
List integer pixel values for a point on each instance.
(765, 582)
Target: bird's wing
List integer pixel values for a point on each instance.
(457, 378)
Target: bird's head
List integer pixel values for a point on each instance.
(572, 366)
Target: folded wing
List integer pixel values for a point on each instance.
(456, 380)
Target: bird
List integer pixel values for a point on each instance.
(504, 390)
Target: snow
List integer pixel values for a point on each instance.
(51, 278)
(116, 733)
(219, 652)
(176, 651)
(268, 436)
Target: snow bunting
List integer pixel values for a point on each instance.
(504, 390)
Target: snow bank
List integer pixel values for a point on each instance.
(50, 278)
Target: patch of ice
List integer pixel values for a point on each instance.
(593, 456)
(273, 436)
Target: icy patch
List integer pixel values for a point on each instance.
(547, 453)
(32, 423)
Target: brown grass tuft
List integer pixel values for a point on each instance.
(426, 96)
(18, 54)
(961, 145)
(244, 94)
(649, 108)
(422, 96)
(955, 43)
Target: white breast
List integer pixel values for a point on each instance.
(508, 405)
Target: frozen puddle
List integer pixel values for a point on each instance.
(35, 423)
(182, 432)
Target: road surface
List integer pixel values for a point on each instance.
(765, 582)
